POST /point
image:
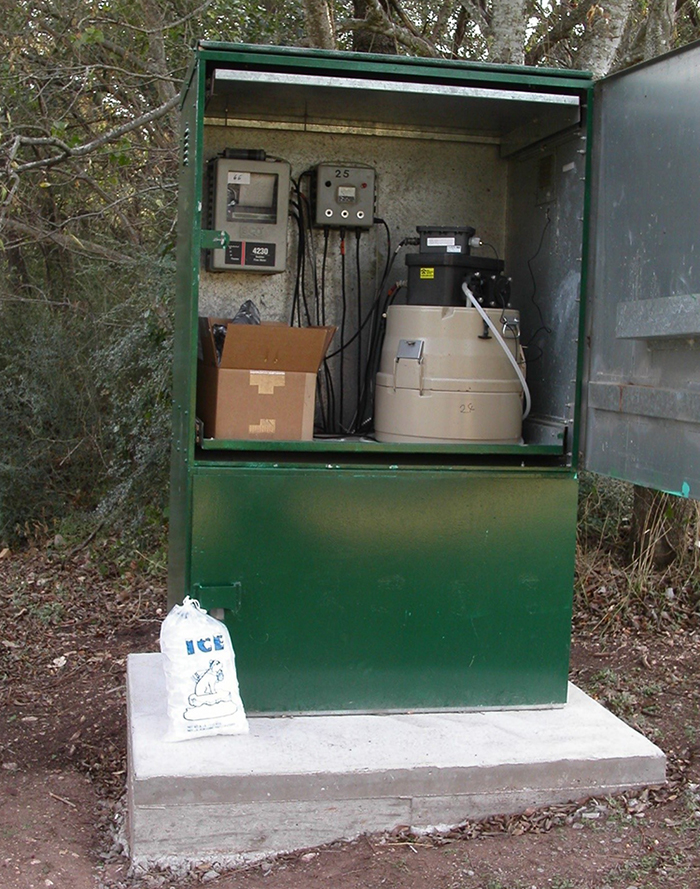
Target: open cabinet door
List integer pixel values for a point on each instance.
(642, 391)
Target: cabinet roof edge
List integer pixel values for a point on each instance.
(267, 57)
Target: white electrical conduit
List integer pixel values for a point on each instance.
(502, 343)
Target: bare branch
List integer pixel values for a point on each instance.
(471, 11)
(561, 28)
(67, 241)
(460, 30)
(441, 18)
(128, 227)
(482, 12)
(378, 22)
(166, 27)
(88, 147)
(157, 56)
(407, 23)
(690, 9)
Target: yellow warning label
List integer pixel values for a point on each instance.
(427, 274)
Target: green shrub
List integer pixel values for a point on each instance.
(85, 401)
(604, 511)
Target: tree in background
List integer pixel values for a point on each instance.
(88, 160)
(586, 35)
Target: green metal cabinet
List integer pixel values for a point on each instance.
(358, 576)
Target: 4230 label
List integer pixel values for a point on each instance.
(250, 253)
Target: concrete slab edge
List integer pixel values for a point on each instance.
(422, 820)
(556, 775)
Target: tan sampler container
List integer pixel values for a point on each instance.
(443, 377)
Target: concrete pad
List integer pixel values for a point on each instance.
(302, 781)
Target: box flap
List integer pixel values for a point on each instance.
(275, 347)
(331, 333)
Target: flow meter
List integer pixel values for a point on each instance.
(249, 199)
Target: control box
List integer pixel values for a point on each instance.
(344, 196)
(249, 200)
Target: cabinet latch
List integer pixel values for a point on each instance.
(210, 239)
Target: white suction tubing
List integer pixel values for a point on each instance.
(502, 343)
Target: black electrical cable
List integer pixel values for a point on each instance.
(373, 362)
(323, 403)
(377, 301)
(343, 315)
(304, 221)
(338, 424)
(358, 387)
(299, 298)
(306, 244)
(335, 423)
(295, 297)
(368, 317)
(302, 251)
(540, 352)
(397, 290)
(311, 248)
(326, 235)
(330, 392)
(376, 338)
(352, 339)
(309, 243)
(320, 404)
(388, 245)
(295, 213)
(534, 281)
(330, 395)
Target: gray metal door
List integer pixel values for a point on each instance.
(642, 395)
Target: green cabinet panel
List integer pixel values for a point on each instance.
(386, 589)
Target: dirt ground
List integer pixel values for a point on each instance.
(66, 630)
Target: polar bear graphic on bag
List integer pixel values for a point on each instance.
(210, 699)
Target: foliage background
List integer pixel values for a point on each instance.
(88, 135)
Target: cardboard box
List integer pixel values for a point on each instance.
(264, 386)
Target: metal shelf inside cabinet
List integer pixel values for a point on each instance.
(369, 446)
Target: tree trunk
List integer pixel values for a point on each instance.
(508, 30)
(320, 26)
(659, 29)
(604, 30)
(165, 87)
(369, 41)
